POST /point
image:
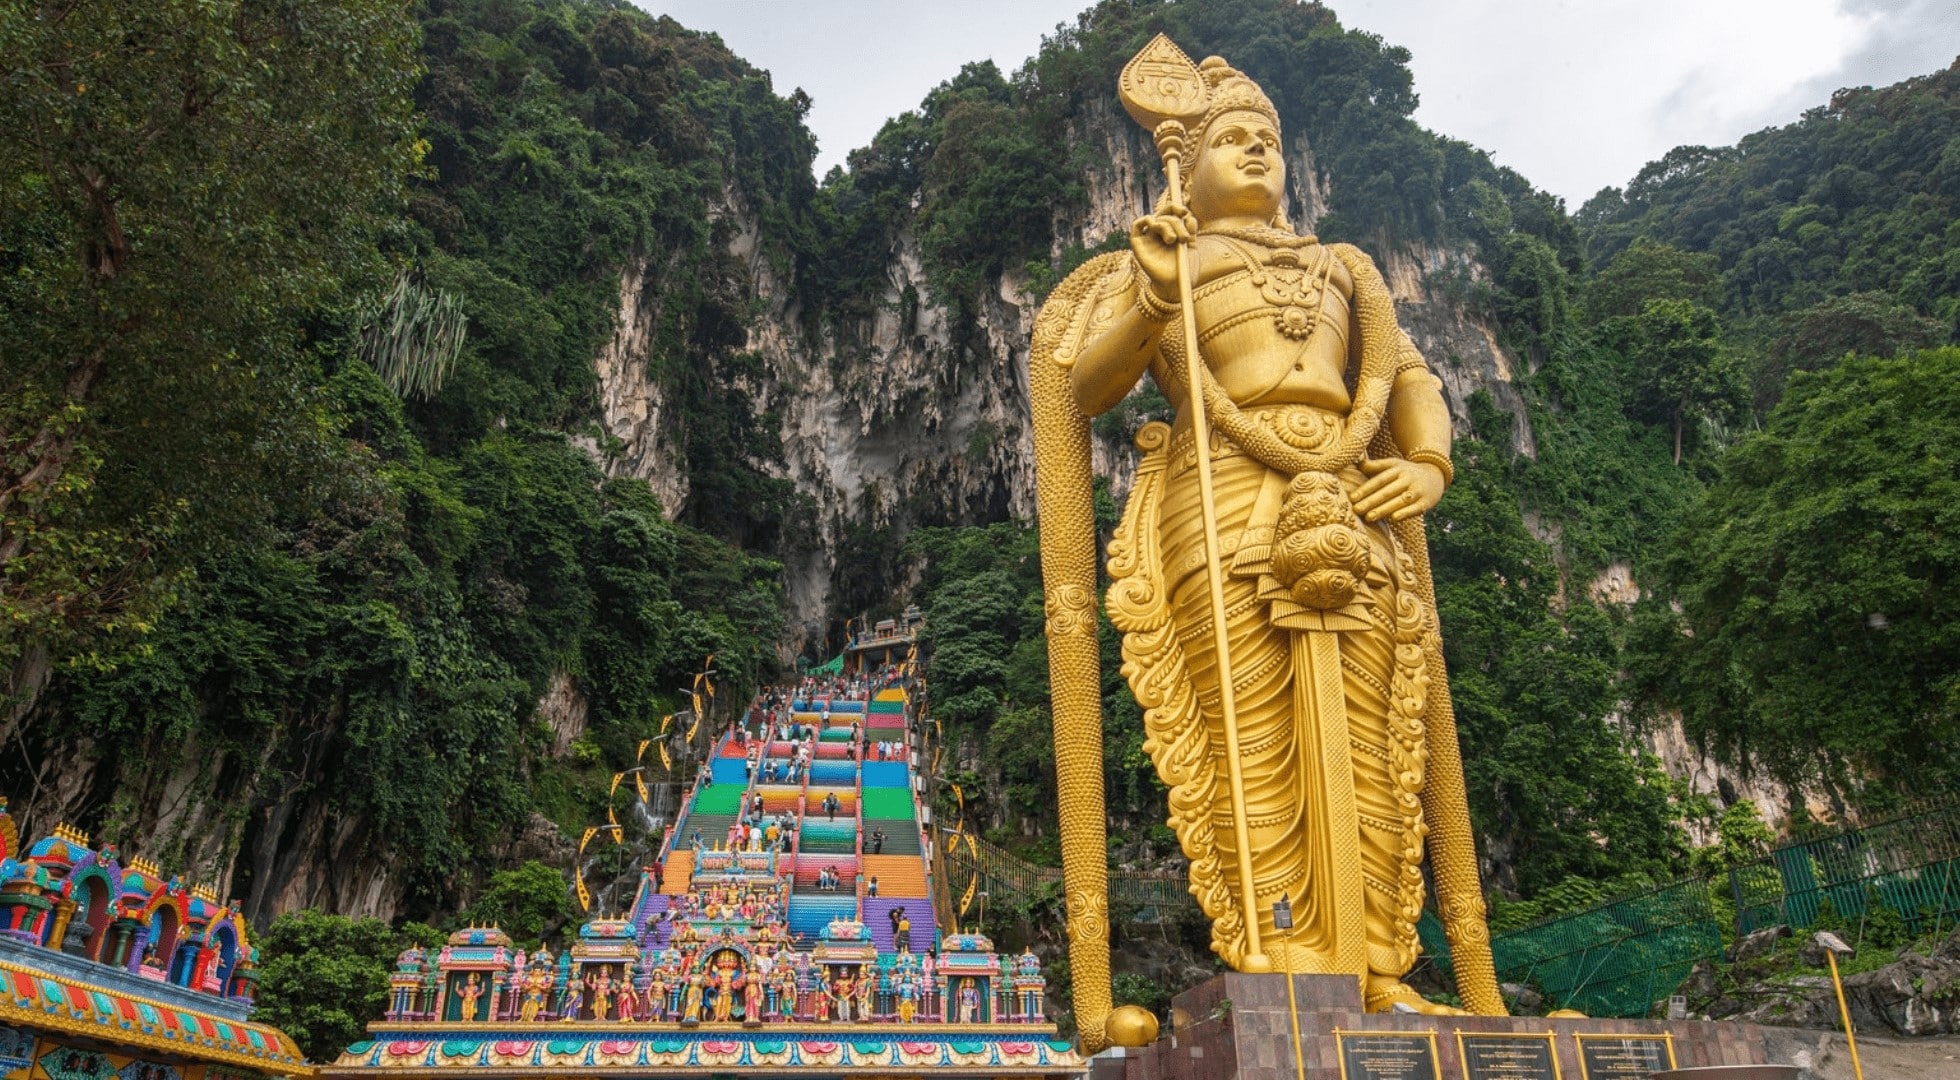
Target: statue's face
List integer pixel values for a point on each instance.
(1240, 170)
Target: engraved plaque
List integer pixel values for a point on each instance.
(1507, 1057)
(1624, 1057)
(1388, 1055)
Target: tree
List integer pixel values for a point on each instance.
(1819, 634)
(1650, 270)
(1870, 323)
(323, 978)
(1555, 788)
(524, 902)
(185, 184)
(1742, 837)
(1680, 368)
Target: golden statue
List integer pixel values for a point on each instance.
(1270, 574)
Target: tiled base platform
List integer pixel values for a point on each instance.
(1253, 1037)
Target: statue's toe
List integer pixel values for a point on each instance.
(1395, 996)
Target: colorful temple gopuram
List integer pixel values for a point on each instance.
(113, 972)
(787, 928)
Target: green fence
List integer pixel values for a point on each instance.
(1619, 958)
(1615, 959)
(1910, 864)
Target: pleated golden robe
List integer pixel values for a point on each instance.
(1332, 640)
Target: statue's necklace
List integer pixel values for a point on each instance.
(1264, 235)
(1299, 292)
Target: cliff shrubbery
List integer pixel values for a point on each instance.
(357, 675)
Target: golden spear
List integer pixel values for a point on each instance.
(1161, 80)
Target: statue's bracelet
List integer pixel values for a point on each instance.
(1436, 458)
(1152, 308)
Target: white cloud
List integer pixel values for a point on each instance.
(1574, 94)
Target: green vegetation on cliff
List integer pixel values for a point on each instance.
(339, 653)
(1818, 632)
(1809, 639)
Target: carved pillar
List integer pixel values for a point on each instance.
(64, 916)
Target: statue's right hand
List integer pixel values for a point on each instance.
(1155, 240)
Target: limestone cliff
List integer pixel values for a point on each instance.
(906, 418)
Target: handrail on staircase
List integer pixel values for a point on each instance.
(857, 810)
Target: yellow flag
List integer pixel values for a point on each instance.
(612, 820)
(642, 751)
(972, 849)
(666, 762)
(590, 832)
(614, 790)
(666, 722)
(966, 899)
(584, 896)
(640, 781)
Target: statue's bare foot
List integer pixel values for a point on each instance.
(1392, 995)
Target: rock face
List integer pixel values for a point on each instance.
(304, 850)
(1916, 995)
(632, 405)
(564, 709)
(907, 418)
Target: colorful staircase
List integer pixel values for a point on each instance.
(871, 796)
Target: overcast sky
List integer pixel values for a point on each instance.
(1574, 94)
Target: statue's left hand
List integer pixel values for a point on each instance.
(1397, 490)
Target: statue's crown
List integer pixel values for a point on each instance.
(1232, 91)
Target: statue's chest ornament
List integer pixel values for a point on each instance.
(1298, 290)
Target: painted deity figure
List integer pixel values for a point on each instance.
(908, 997)
(784, 1005)
(752, 987)
(725, 976)
(601, 988)
(657, 994)
(969, 1002)
(536, 983)
(1329, 438)
(691, 998)
(471, 991)
(844, 992)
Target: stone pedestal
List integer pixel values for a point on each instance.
(1243, 1026)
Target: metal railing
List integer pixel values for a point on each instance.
(1621, 957)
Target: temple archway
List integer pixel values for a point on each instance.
(92, 892)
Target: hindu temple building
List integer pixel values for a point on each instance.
(786, 928)
(112, 971)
